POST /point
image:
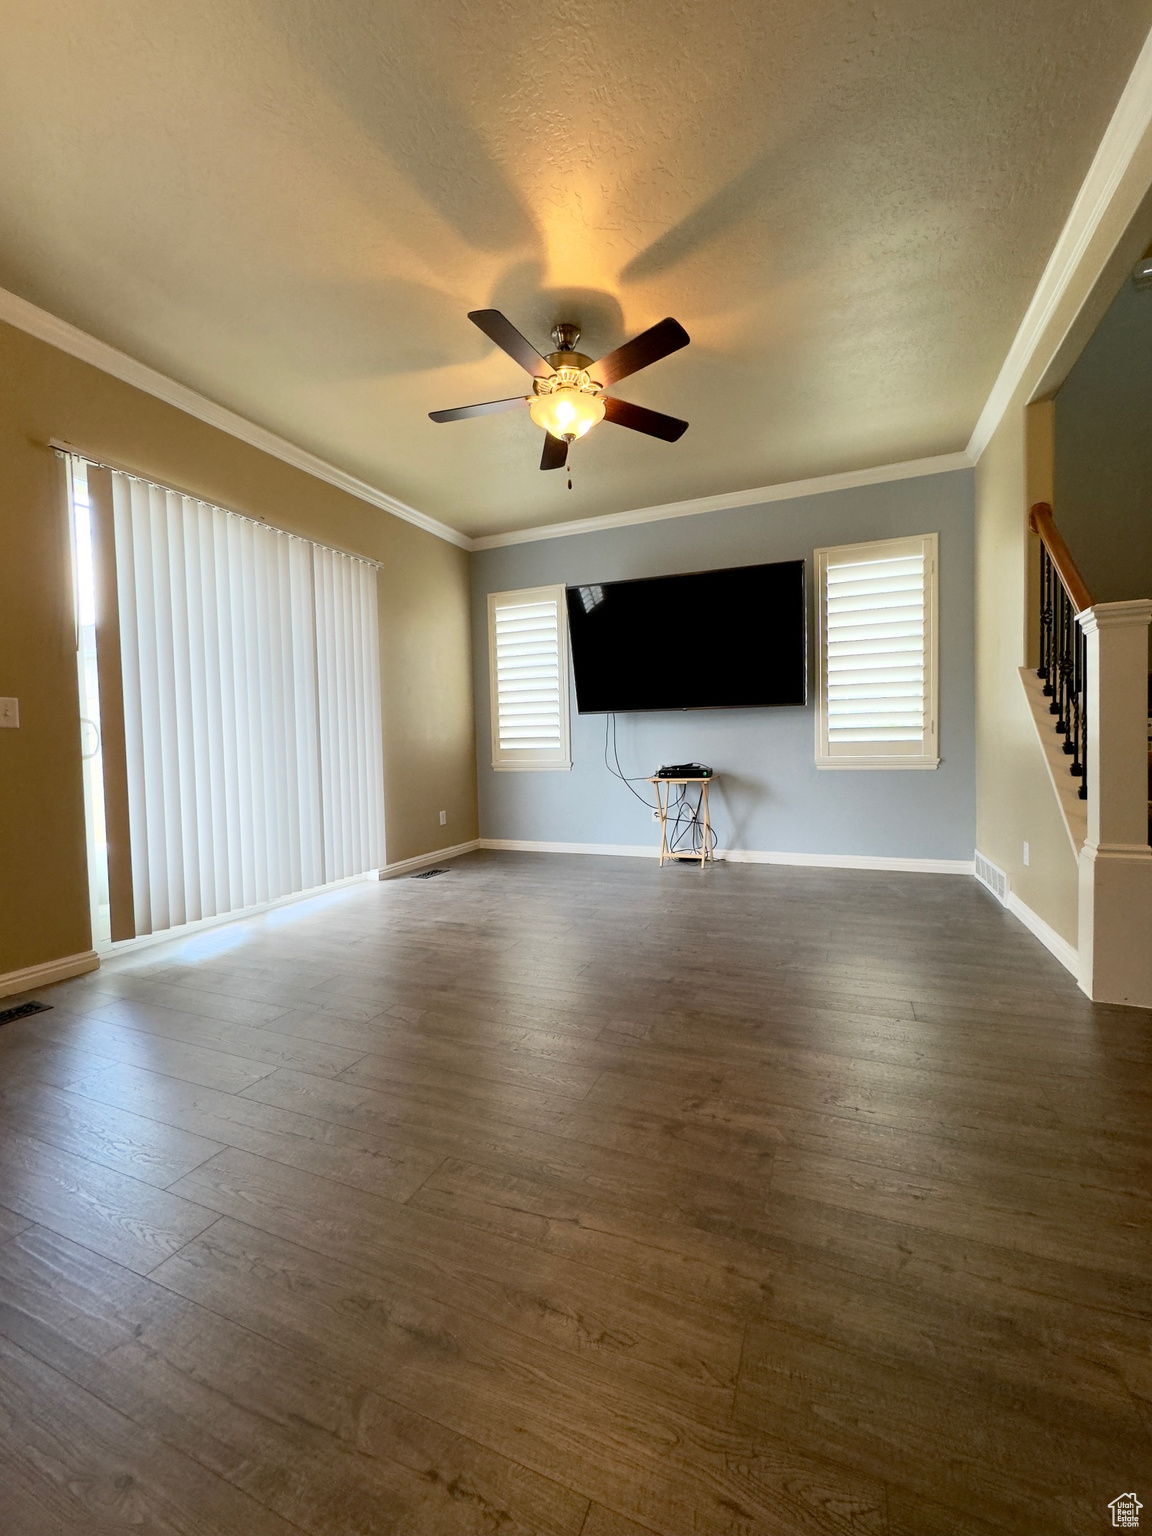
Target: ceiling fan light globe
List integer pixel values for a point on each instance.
(567, 413)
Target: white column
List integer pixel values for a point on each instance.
(1116, 861)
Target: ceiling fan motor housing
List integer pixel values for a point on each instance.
(566, 336)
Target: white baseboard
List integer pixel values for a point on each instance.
(426, 860)
(34, 976)
(850, 861)
(613, 850)
(113, 952)
(994, 879)
(1068, 957)
(745, 856)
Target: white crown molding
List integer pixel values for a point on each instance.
(58, 333)
(1128, 126)
(882, 474)
(1126, 130)
(33, 977)
(68, 338)
(46, 327)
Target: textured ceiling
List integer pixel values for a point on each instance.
(290, 205)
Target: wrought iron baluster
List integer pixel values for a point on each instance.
(1072, 740)
(1082, 738)
(1045, 668)
(1063, 668)
(1062, 663)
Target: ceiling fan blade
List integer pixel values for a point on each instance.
(499, 329)
(649, 347)
(555, 454)
(488, 408)
(640, 419)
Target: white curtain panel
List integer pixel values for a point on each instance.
(251, 708)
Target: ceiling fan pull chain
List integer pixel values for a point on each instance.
(568, 465)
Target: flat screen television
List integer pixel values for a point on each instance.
(727, 639)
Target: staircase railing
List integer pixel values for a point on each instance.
(1063, 651)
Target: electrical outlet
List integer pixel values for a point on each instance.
(10, 713)
(443, 818)
(1026, 851)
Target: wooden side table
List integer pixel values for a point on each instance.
(663, 804)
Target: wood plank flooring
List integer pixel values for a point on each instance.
(574, 1197)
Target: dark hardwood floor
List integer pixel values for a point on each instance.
(574, 1197)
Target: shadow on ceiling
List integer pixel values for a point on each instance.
(383, 70)
(534, 309)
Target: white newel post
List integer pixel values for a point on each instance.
(1116, 861)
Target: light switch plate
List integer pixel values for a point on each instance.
(9, 713)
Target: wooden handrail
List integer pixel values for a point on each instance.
(1041, 522)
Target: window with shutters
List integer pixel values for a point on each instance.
(528, 659)
(876, 615)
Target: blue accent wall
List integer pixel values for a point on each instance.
(769, 796)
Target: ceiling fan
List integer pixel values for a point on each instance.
(567, 387)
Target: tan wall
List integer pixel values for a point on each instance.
(429, 751)
(1015, 802)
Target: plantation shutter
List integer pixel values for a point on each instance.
(528, 650)
(877, 696)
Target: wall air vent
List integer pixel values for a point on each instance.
(989, 875)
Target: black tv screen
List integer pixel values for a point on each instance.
(726, 639)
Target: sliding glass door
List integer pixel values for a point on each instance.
(239, 696)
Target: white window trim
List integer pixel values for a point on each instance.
(883, 754)
(532, 759)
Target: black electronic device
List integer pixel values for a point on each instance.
(684, 771)
(723, 639)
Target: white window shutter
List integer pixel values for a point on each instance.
(528, 660)
(877, 699)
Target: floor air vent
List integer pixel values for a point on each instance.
(426, 874)
(995, 879)
(22, 1010)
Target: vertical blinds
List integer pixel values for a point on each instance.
(252, 728)
(530, 685)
